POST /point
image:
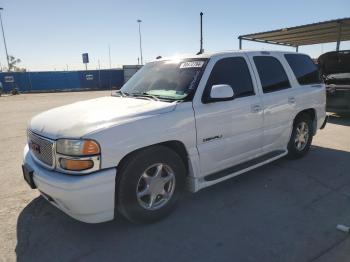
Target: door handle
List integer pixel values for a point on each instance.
(291, 100)
(255, 108)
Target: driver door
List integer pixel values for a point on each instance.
(228, 132)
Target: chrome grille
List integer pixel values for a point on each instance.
(41, 148)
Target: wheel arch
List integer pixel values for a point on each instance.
(313, 115)
(175, 145)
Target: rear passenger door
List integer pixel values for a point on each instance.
(308, 84)
(278, 99)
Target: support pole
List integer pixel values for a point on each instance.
(297, 49)
(339, 36)
(240, 43)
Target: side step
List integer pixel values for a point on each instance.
(197, 184)
(244, 165)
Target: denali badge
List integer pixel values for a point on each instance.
(212, 138)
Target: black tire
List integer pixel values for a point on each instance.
(130, 174)
(293, 151)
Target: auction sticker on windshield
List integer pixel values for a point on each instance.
(192, 64)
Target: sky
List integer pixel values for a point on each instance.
(52, 35)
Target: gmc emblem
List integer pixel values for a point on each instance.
(34, 147)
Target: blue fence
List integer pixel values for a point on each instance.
(62, 80)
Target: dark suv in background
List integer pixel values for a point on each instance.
(335, 71)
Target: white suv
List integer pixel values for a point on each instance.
(179, 123)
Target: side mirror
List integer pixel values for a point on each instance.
(220, 93)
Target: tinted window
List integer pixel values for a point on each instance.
(303, 68)
(271, 73)
(232, 71)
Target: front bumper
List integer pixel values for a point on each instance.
(87, 198)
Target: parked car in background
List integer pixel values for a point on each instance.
(179, 123)
(335, 70)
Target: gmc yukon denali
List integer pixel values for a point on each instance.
(180, 123)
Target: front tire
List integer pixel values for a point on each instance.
(301, 138)
(150, 183)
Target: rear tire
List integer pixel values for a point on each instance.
(301, 138)
(150, 183)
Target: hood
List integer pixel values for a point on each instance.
(81, 118)
(334, 62)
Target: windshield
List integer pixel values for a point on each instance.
(170, 79)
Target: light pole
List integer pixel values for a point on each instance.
(139, 21)
(3, 35)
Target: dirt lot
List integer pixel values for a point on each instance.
(284, 211)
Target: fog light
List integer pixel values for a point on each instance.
(76, 165)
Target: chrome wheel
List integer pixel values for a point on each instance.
(301, 136)
(155, 186)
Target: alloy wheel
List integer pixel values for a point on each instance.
(301, 136)
(155, 186)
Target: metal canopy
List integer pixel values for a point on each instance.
(323, 32)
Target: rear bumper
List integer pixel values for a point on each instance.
(87, 198)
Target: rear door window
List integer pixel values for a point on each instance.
(271, 72)
(303, 68)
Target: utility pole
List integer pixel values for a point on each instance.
(110, 67)
(109, 56)
(139, 21)
(3, 35)
(99, 74)
(201, 50)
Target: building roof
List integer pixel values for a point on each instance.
(317, 33)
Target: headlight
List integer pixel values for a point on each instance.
(78, 156)
(72, 147)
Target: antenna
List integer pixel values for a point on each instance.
(201, 50)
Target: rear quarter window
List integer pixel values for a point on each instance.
(304, 69)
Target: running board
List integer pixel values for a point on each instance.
(236, 170)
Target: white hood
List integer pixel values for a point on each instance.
(81, 118)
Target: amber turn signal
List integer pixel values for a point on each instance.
(91, 148)
(76, 165)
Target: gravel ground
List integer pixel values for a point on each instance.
(284, 211)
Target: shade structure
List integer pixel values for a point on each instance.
(336, 30)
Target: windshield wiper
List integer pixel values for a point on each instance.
(121, 93)
(144, 94)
